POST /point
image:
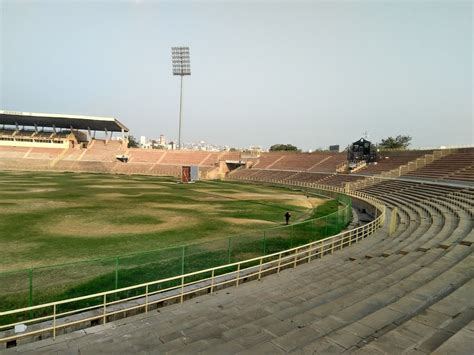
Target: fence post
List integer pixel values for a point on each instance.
(146, 299)
(116, 272)
(182, 259)
(238, 275)
(229, 250)
(393, 222)
(54, 321)
(30, 282)
(105, 309)
(264, 242)
(279, 263)
(212, 282)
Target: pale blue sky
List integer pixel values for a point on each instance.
(308, 73)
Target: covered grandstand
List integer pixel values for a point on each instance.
(49, 130)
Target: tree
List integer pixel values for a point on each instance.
(132, 142)
(284, 147)
(399, 142)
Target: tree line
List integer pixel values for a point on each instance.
(398, 142)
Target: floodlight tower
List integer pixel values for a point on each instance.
(181, 67)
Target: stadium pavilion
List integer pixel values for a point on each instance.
(50, 130)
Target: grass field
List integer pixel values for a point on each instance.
(55, 218)
(91, 223)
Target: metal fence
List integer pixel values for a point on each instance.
(100, 307)
(27, 288)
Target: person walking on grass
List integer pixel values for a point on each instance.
(287, 217)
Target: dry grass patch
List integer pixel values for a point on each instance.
(305, 202)
(182, 206)
(27, 183)
(91, 227)
(125, 186)
(296, 200)
(30, 205)
(241, 221)
(117, 196)
(28, 191)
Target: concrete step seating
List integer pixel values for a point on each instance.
(456, 166)
(433, 326)
(457, 344)
(388, 160)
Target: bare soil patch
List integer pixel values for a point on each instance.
(297, 200)
(29, 205)
(303, 201)
(76, 226)
(130, 186)
(28, 191)
(184, 206)
(241, 221)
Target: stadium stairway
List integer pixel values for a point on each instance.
(409, 291)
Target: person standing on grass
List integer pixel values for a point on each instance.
(287, 217)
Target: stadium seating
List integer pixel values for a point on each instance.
(298, 161)
(330, 163)
(309, 177)
(43, 153)
(456, 166)
(397, 292)
(340, 179)
(45, 135)
(267, 160)
(13, 152)
(321, 178)
(101, 156)
(185, 158)
(33, 136)
(6, 133)
(389, 160)
(318, 161)
(229, 156)
(318, 167)
(145, 155)
(102, 151)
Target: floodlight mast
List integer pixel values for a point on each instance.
(181, 66)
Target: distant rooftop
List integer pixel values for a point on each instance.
(61, 121)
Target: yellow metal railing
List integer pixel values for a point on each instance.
(52, 319)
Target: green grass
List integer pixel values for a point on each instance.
(56, 218)
(110, 231)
